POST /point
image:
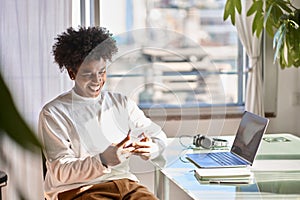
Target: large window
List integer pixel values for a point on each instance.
(174, 56)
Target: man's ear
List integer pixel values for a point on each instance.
(72, 74)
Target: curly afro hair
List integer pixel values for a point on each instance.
(73, 47)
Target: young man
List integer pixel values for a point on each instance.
(88, 134)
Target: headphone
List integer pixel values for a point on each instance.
(207, 143)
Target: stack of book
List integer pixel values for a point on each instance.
(225, 175)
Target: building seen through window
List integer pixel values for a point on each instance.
(176, 54)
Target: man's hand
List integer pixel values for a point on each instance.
(145, 148)
(116, 153)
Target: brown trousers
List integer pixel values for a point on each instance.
(122, 189)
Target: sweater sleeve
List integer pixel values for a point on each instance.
(141, 123)
(64, 163)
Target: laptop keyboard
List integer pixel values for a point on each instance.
(225, 158)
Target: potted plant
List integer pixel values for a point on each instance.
(280, 19)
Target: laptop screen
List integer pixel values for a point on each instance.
(249, 135)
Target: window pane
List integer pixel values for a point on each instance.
(155, 68)
(187, 56)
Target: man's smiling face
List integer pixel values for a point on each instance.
(90, 78)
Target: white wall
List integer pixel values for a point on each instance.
(287, 119)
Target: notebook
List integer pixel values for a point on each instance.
(238, 175)
(243, 151)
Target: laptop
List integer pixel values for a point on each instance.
(244, 149)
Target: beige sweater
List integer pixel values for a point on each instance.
(75, 129)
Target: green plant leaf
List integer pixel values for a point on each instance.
(281, 20)
(281, 59)
(297, 16)
(253, 8)
(230, 7)
(12, 124)
(278, 41)
(268, 22)
(284, 5)
(270, 27)
(268, 13)
(276, 14)
(256, 9)
(289, 48)
(293, 43)
(259, 26)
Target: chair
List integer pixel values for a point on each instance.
(3, 182)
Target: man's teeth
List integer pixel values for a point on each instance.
(95, 88)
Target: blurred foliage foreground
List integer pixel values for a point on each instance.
(12, 124)
(15, 127)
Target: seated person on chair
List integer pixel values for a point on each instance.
(87, 132)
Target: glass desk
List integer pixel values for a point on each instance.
(276, 177)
